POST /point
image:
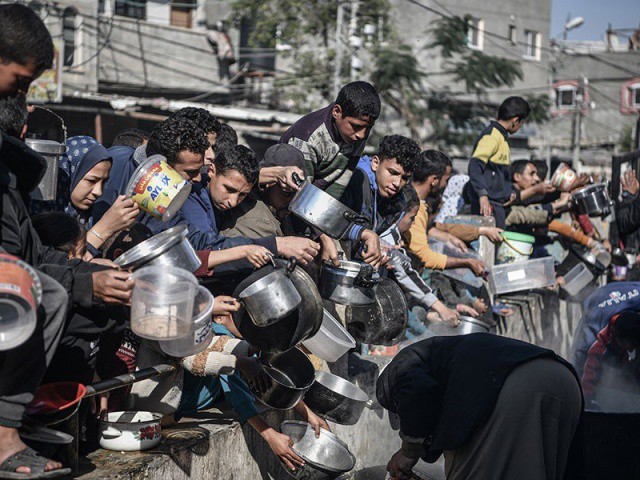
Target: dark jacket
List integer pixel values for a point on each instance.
(444, 388)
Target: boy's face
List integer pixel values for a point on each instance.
(514, 124)
(351, 129)
(528, 178)
(189, 165)
(227, 190)
(391, 177)
(407, 221)
(15, 78)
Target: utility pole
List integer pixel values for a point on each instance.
(577, 123)
(337, 82)
(355, 42)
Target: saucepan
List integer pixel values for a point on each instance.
(336, 399)
(349, 283)
(593, 200)
(321, 210)
(130, 431)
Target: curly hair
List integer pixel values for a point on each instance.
(227, 137)
(239, 158)
(403, 149)
(176, 135)
(201, 117)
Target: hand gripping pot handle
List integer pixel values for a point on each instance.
(296, 179)
(364, 278)
(355, 218)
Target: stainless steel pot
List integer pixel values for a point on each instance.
(326, 458)
(170, 248)
(291, 374)
(321, 210)
(350, 283)
(593, 200)
(467, 325)
(336, 399)
(51, 151)
(382, 322)
(271, 298)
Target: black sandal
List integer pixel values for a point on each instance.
(28, 457)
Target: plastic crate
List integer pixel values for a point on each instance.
(519, 276)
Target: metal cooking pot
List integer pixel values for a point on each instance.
(336, 399)
(291, 374)
(382, 322)
(467, 325)
(321, 210)
(130, 431)
(51, 151)
(271, 298)
(169, 248)
(326, 458)
(350, 283)
(296, 327)
(593, 200)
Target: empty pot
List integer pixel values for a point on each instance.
(130, 431)
(336, 399)
(51, 151)
(350, 283)
(332, 340)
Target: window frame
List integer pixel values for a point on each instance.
(124, 8)
(536, 37)
(478, 28)
(634, 91)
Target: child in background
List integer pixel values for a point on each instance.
(62, 232)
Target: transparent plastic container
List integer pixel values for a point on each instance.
(528, 275)
(332, 340)
(577, 279)
(464, 275)
(162, 303)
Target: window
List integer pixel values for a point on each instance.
(475, 33)
(635, 95)
(69, 28)
(132, 8)
(532, 44)
(182, 14)
(566, 96)
(513, 38)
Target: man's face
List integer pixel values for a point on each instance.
(189, 165)
(229, 189)
(352, 129)
(277, 198)
(391, 177)
(16, 78)
(528, 178)
(442, 183)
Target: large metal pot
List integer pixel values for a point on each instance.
(321, 210)
(271, 298)
(170, 248)
(593, 200)
(336, 399)
(130, 431)
(350, 283)
(326, 458)
(382, 322)
(291, 374)
(51, 151)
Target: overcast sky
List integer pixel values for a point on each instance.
(597, 15)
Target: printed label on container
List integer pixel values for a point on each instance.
(157, 188)
(515, 275)
(200, 335)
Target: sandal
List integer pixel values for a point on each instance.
(28, 457)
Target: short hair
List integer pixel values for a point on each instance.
(13, 115)
(59, 231)
(227, 137)
(627, 324)
(410, 197)
(359, 99)
(130, 137)
(542, 168)
(403, 149)
(430, 162)
(24, 38)
(176, 135)
(514, 107)
(519, 166)
(201, 117)
(239, 158)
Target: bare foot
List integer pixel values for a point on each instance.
(10, 443)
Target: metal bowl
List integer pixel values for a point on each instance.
(467, 325)
(336, 399)
(326, 458)
(169, 248)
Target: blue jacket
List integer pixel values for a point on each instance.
(122, 167)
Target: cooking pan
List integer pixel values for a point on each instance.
(336, 399)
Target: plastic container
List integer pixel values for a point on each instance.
(162, 303)
(332, 340)
(515, 277)
(464, 275)
(158, 188)
(20, 295)
(577, 279)
(515, 247)
(201, 328)
(563, 177)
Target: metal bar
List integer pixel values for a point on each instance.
(128, 379)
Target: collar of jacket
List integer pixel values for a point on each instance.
(500, 128)
(24, 164)
(331, 125)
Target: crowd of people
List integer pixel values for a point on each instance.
(238, 219)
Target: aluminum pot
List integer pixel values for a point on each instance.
(467, 326)
(382, 322)
(321, 210)
(51, 151)
(291, 374)
(350, 283)
(336, 399)
(326, 458)
(130, 431)
(170, 248)
(271, 298)
(296, 327)
(593, 200)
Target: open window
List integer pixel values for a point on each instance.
(532, 43)
(69, 34)
(475, 33)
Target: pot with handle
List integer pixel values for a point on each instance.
(130, 431)
(336, 399)
(321, 210)
(593, 200)
(349, 283)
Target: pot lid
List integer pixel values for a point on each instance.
(152, 247)
(518, 237)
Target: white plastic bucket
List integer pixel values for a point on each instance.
(515, 247)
